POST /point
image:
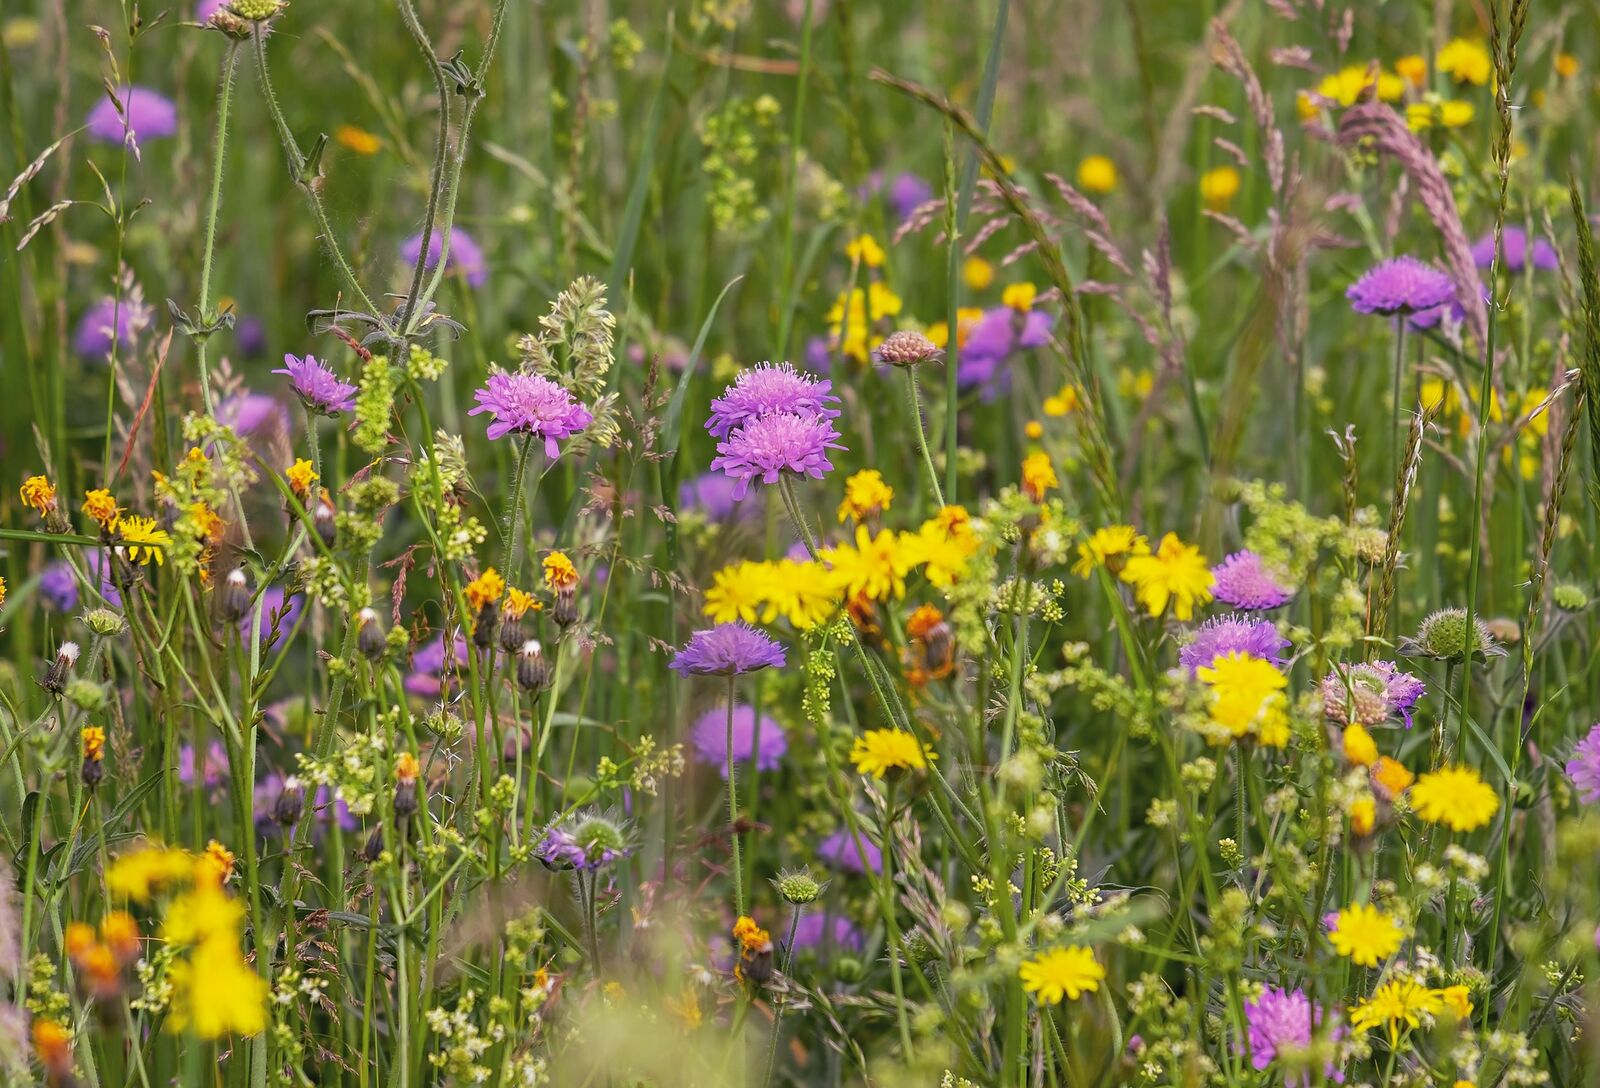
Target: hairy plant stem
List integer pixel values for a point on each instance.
(733, 810)
(922, 436)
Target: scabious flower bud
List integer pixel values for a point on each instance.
(291, 800)
(233, 597)
(906, 348)
(371, 639)
(105, 623)
(256, 11)
(798, 887)
(1569, 597)
(1446, 636)
(533, 671)
(55, 677)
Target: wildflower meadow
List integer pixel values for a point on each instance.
(799, 543)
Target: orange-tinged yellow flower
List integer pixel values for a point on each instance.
(865, 496)
(1413, 69)
(1566, 65)
(301, 476)
(967, 318)
(1038, 476)
(1176, 574)
(93, 739)
(406, 767)
(1061, 973)
(559, 573)
(215, 864)
(1392, 775)
(1458, 1000)
(101, 507)
(1363, 815)
(357, 139)
(518, 603)
(39, 494)
(484, 590)
(879, 751)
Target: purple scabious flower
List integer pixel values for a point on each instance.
(1403, 285)
(1369, 693)
(145, 115)
(1584, 768)
(92, 338)
(318, 387)
(711, 494)
(213, 765)
(999, 334)
(1516, 244)
(251, 334)
(766, 447)
(532, 405)
(839, 851)
(276, 610)
(728, 649)
(1282, 1020)
(465, 255)
(58, 586)
(906, 192)
(1222, 635)
(207, 8)
(1244, 581)
(433, 663)
(710, 739)
(252, 414)
(819, 930)
(770, 389)
(818, 355)
(586, 840)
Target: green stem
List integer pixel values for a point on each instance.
(922, 437)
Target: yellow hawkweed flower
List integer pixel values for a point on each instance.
(1359, 747)
(1392, 775)
(1038, 476)
(1398, 1003)
(93, 739)
(215, 864)
(39, 494)
(977, 273)
(1062, 973)
(879, 751)
(1109, 547)
(865, 248)
(942, 546)
(2, 591)
(738, 592)
(406, 767)
(1363, 816)
(141, 873)
(1451, 113)
(1456, 797)
(301, 476)
(518, 603)
(484, 590)
(875, 567)
(101, 507)
(1219, 186)
(1458, 1000)
(144, 538)
(865, 496)
(1019, 296)
(800, 592)
(1566, 65)
(1366, 935)
(1175, 574)
(1413, 69)
(359, 140)
(1466, 61)
(1097, 174)
(1063, 403)
(1033, 429)
(559, 573)
(1247, 697)
(216, 993)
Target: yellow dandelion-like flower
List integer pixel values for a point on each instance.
(942, 546)
(1067, 973)
(1175, 574)
(1109, 547)
(101, 507)
(1359, 747)
(1392, 775)
(875, 567)
(1019, 296)
(141, 873)
(865, 496)
(1097, 174)
(739, 591)
(301, 476)
(145, 539)
(519, 603)
(216, 993)
(1366, 935)
(93, 739)
(1413, 69)
(1457, 1000)
(977, 273)
(1247, 696)
(1038, 476)
(1219, 186)
(800, 592)
(865, 248)
(39, 494)
(1363, 815)
(484, 590)
(559, 573)
(1466, 60)
(1398, 1004)
(215, 863)
(1067, 401)
(1456, 797)
(879, 751)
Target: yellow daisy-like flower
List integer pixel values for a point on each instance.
(865, 496)
(357, 139)
(215, 864)
(1219, 186)
(139, 874)
(800, 592)
(739, 591)
(559, 573)
(1398, 1004)
(39, 494)
(1466, 60)
(144, 538)
(879, 751)
(484, 590)
(1038, 476)
(865, 248)
(1566, 65)
(1019, 296)
(1457, 1000)
(216, 993)
(1451, 113)
(1363, 815)
(1392, 775)
(519, 603)
(1097, 174)
(1175, 574)
(1109, 547)
(1247, 697)
(101, 507)
(1366, 935)
(301, 476)
(943, 546)
(967, 318)
(977, 273)
(1347, 85)
(874, 568)
(1359, 747)
(1456, 797)
(1413, 69)
(1062, 973)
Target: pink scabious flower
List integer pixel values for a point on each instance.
(1370, 693)
(766, 390)
(1584, 770)
(318, 387)
(532, 405)
(465, 256)
(728, 649)
(145, 115)
(1403, 285)
(92, 338)
(710, 739)
(1516, 246)
(1244, 581)
(1282, 1020)
(770, 445)
(1222, 635)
